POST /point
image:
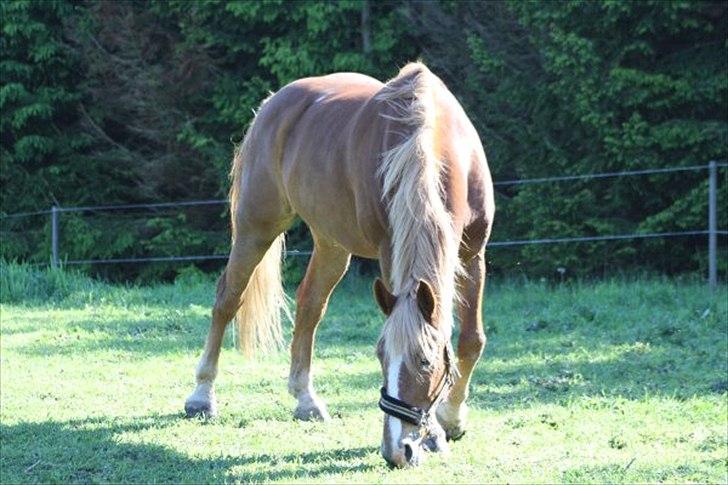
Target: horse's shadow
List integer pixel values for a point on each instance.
(90, 450)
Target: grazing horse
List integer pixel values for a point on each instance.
(394, 172)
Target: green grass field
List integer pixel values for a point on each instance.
(617, 381)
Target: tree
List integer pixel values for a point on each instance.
(124, 102)
(561, 88)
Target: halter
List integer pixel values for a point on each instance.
(413, 414)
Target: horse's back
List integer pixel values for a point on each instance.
(328, 168)
(320, 140)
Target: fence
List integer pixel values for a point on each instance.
(712, 231)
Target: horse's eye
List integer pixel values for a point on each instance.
(425, 363)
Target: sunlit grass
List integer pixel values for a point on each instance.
(617, 381)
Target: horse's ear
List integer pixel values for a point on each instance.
(384, 298)
(426, 300)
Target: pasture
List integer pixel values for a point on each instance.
(616, 381)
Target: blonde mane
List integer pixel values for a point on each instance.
(424, 246)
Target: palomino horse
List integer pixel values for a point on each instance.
(391, 171)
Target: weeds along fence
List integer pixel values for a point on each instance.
(711, 231)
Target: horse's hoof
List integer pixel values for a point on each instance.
(436, 444)
(311, 413)
(204, 409)
(453, 420)
(454, 434)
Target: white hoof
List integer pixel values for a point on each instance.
(453, 419)
(202, 402)
(311, 409)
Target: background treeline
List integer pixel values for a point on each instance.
(123, 102)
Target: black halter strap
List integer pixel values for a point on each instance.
(413, 414)
(400, 409)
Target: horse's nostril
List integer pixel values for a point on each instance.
(408, 454)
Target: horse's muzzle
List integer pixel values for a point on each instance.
(409, 454)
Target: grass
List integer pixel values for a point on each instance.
(615, 381)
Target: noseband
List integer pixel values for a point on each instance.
(413, 414)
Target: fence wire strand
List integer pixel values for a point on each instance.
(24, 214)
(623, 173)
(296, 252)
(151, 259)
(159, 205)
(612, 237)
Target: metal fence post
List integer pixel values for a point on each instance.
(713, 226)
(54, 236)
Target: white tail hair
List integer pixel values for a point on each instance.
(264, 301)
(258, 319)
(424, 246)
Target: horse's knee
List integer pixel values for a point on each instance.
(227, 297)
(471, 345)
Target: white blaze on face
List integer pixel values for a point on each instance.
(395, 425)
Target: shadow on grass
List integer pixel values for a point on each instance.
(519, 367)
(172, 333)
(89, 451)
(149, 336)
(539, 357)
(557, 370)
(528, 364)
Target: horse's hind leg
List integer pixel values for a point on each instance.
(453, 412)
(247, 251)
(328, 264)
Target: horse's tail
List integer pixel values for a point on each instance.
(258, 319)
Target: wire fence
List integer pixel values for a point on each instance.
(624, 173)
(712, 230)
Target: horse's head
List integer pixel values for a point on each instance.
(415, 354)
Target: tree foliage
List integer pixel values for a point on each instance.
(123, 102)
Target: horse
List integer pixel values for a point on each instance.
(390, 171)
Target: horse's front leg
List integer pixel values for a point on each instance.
(453, 412)
(328, 264)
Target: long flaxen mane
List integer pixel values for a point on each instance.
(421, 233)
